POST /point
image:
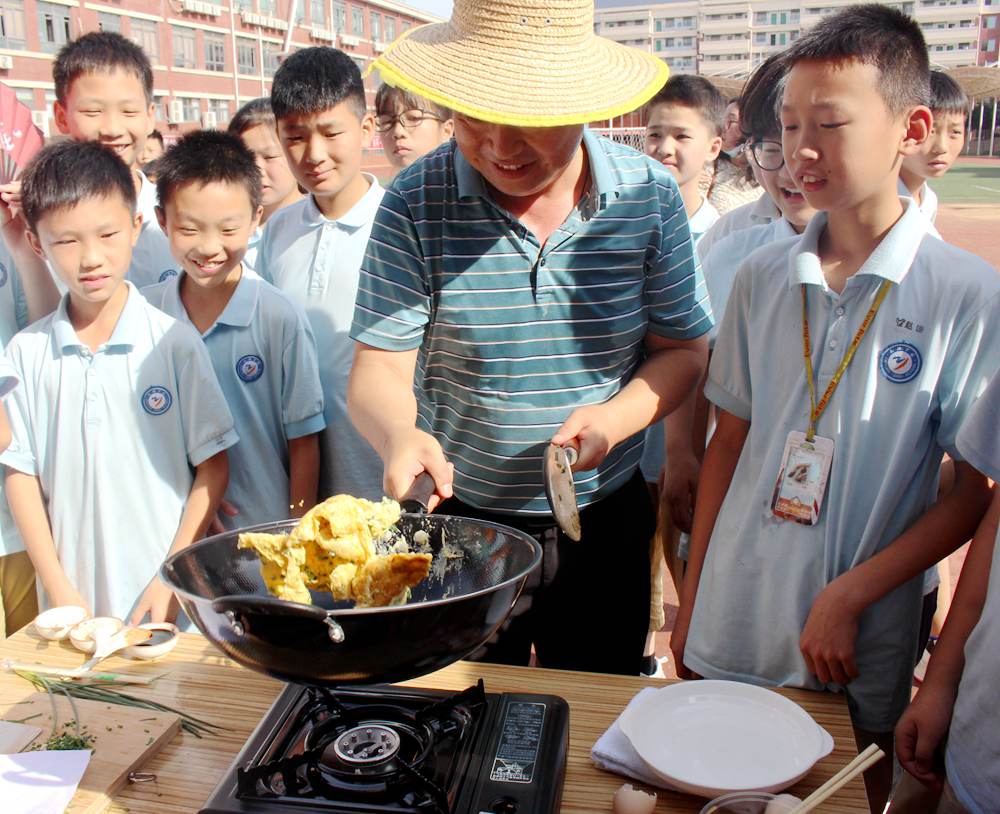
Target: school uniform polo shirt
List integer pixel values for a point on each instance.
(928, 203)
(8, 376)
(113, 437)
(756, 213)
(720, 264)
(315, 262)
(13, 317)
(253, 246)
(654, 453)
(263, 354)
(927, 356)
(152, 261)
(514, 336)
(973, 752)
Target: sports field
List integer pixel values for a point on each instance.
(970, 181)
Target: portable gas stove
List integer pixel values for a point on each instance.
(401, 750)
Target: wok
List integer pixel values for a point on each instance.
(477, 572)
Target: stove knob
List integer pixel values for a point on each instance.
(504, 805)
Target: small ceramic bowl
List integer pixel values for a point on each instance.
(56, 623)
(752, 802)
(82, 636)
(162, 641)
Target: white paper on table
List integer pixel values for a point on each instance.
(41, 782)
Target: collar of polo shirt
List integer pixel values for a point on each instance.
(125, 334)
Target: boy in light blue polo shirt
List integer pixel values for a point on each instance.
(104, 93)
(120, 428)
(816, 514)
(312, 250)
(260, 343)
(958, 695)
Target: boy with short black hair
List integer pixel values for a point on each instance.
(684, 127)
(260, 343)
(104, 93)
(843, 368)
(119, 425)
(312, 250)
(949, 107)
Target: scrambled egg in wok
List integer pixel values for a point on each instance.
(333, 548)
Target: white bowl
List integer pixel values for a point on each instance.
(56, 623)
(82, 635)
(162, 642)
(714, 737)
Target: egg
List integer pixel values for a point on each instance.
(628, 800)
(782, 804)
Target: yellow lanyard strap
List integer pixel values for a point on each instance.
(816, 410)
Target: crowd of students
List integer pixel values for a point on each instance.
(267, 326)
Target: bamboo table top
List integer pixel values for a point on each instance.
(199, 680)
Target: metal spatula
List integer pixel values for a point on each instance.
(557, 474)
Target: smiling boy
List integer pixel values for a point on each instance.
(528, 283)
(104, 93)
(120, 428)
(312, 250)
(260, 343)
(859, 348)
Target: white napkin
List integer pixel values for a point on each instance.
(41, 782)
(614, 753)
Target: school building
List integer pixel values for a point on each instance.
(208, 57)
(727, 38)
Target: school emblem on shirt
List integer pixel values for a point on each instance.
(3, 275)
(250, 368)
(166, 275)
(900, 362)
(156, 400)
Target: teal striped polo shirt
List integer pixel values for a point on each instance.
(513, 336)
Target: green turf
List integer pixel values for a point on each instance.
(969, 183)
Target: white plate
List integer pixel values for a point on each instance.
(713, 737)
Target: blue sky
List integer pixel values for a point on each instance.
(442, 8)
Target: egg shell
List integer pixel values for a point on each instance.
(82, 636)
(56, 623)
(782, 804)
(628, 800)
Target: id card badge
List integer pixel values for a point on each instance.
(801, 484)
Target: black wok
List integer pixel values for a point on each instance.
(470, 591)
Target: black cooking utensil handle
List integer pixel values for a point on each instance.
(270, 605)
(419, 494)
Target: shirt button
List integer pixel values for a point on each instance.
(833, 344)
(840, 311)
(541, 262)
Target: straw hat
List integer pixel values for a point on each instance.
(529, 63)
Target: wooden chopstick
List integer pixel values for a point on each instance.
(868, 758)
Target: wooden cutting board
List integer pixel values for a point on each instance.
(124, 739)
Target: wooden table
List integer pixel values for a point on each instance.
(198, 679)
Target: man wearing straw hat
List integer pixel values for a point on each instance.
(540, 283)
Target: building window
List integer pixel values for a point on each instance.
(215, 51)
(357, 21)
(246, 56)
(184, 47)
(272, 58)
(190, 109)
(144, 34)
(12, 24)
(406, 25)
(317, 12)
(375, 21)
(989, 22)
(109, 22)
(53, 26)
(390, 29)
(339, 17)
(220, 107)
(266, 7)
(991, 45)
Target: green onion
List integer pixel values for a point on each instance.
(102, 691)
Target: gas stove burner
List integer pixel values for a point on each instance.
(396, 750)
(365, 745)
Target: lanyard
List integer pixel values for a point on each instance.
(816, 409)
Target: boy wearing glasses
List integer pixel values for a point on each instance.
(312, 250)
(410, 125)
